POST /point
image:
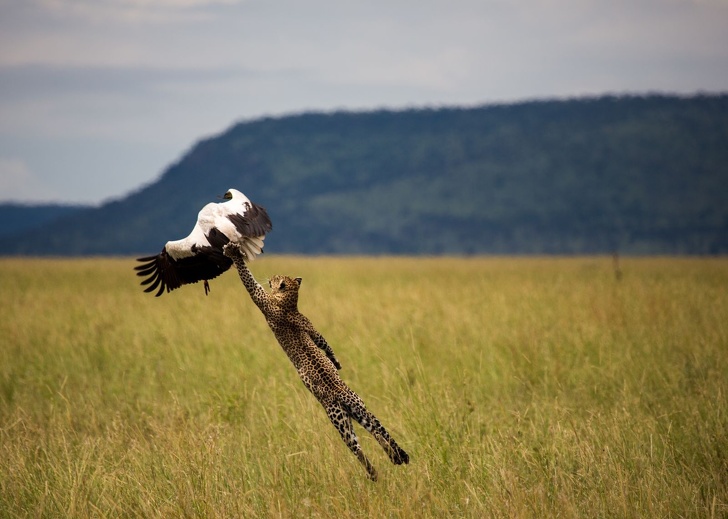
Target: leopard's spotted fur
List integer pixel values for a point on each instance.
(315, 361)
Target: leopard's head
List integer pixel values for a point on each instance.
(284, 290)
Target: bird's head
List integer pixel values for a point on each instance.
(232, 194)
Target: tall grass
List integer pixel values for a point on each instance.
(520, 387)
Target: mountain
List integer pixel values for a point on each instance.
(638, 174)
(18, 218)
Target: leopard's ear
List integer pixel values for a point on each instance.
(299, 280)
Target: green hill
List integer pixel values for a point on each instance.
(635, 174)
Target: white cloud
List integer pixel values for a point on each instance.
(145, 11)
(19, 184)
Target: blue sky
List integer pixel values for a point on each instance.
(98, 97)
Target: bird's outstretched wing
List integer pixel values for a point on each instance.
(164, 273)
(253, 222)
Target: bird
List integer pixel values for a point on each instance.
(199, 256)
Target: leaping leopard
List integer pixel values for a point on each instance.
(314, 361)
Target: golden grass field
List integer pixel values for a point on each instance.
(521, 387)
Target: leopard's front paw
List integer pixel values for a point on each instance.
(335, 362)
(232, 250)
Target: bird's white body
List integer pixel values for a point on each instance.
(216, 216)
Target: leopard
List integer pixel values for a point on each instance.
(314, 361)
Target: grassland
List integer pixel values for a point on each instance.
(520, 387)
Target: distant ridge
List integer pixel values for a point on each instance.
(17, 218)
(638, 174)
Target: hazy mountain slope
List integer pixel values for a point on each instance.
(16, 218)
(639, 174)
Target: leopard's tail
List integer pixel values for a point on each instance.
(371, 424)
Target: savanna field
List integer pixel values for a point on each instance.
(521, 387)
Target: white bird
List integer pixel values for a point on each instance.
(199, 256)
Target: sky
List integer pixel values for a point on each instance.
(99, 97)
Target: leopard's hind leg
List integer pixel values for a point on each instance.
(355, 407)
(342, 421)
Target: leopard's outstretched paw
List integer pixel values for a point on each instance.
(233, 250)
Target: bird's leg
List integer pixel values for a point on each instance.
(207, 287)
